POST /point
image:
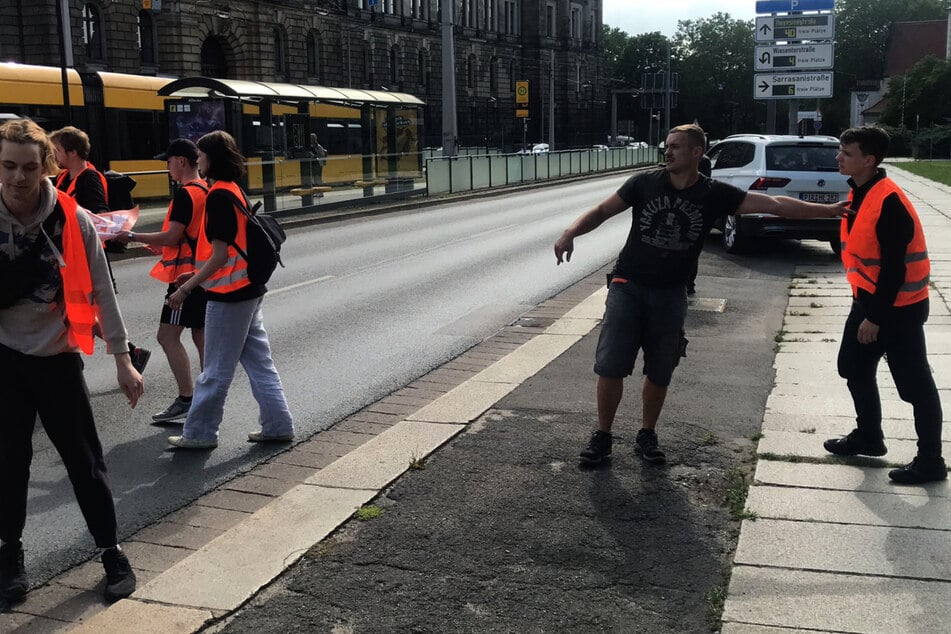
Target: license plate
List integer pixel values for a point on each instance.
(819, 197)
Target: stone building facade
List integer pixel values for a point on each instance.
(389, 44)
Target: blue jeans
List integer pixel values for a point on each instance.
(234, 331)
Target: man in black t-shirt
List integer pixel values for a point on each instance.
(673, 209)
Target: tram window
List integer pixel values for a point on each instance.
(343, 138)
(133, 134)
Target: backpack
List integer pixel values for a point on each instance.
(119, 192)
(265, 237)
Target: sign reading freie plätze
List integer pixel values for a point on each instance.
(800, 33)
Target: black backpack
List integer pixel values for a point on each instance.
(120, 190)
(265, 237)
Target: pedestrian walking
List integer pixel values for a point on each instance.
(176, 243)
(54, 288)
(319, 155)
(887, 266)
(673, 209)
(234, 321)
(80, 179)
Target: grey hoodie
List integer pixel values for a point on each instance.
(36, 325)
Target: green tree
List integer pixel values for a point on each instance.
(714, 57)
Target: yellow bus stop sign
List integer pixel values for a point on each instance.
(521, 92)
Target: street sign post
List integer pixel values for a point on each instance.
(792, 86)
(770, 28)
(788, 6)
(794, 57)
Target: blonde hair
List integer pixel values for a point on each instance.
(27, 131)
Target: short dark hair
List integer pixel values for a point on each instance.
(72, 140)
(870, 139)
(696, 137)
(225, 162)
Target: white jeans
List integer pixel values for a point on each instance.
(234, 331)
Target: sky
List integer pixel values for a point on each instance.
(644, 16)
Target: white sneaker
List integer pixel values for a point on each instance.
(191, 443)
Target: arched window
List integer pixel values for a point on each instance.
(146, 37)
(313, 56)
(92, 32)
(279, 58)
(213, 60)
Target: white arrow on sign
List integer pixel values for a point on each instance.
(794, 56)
(792, 85)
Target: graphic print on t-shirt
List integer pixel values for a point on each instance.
(671, 223)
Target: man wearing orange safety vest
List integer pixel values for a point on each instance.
(88, 186)
(54, 289)
(886, 262)
(177, 242)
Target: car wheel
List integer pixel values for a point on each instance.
(732, 240)
(836, 246)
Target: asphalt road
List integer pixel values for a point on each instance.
(363, 307)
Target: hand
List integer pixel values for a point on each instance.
(840, 209)
(868, 332)
(130, 381)
(123, 238)
(565, 245)
(176, 299)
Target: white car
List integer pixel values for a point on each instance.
(801, 167)
(539, 148)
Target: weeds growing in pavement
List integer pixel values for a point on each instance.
(808, 430)
(815, 305)
(738, 485)
(368, 512)
(716, 599)
(757, 436)
(780, 334)
(710, 439)
(416, 462)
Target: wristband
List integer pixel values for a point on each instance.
(131, 237)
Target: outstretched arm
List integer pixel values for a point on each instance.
(787, 207)
(588, 221)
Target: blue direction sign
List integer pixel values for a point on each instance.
(788, 6)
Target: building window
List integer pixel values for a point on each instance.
(416, 9)
(389, 7)
(213, 61)
(575, 22)
(488, 11)
(92, 32)
(279, 58)
(512, 74)
(471, 72)
(146, 38)
(468, 13)
(494, 76)
(510, 17)
(394, 66)
(549, 20)
(313, 56)
(367, 67)
(422, 62)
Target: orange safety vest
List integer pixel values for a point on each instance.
(861, 252)
(71, 189)
(180, 258)
(81, 310)
(233, 274)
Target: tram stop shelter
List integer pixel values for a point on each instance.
(286, 113)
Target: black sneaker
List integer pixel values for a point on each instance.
(13, 583)
(140, 358)
(646, 447)
(178, 410)
(919, 471)
(855, 444)
(599, 448)
(120, 580)
(691, 289)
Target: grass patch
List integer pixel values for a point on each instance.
(368, 512)
(416, 463)
(935, 170)
(710, 439)
(779, 336)
(757, 436)
(738, 484)
(716, 599)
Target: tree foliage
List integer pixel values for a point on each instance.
(920, 97)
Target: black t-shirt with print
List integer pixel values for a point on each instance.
(669, 226)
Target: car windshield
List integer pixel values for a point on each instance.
(802, 158)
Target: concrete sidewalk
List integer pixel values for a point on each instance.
(833, 546)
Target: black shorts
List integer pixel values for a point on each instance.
(192, 312)
(641, 318)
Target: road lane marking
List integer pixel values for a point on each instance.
(316, 280)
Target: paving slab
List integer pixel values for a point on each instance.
(572, 326)
(818, 601)
(908, 553)
(525, 362)
(843, 477)
(381, 460)
(255, 551)
(747, 628)
(464, 403)
(832, 426)
(130, 615)
(818, 406)
(873, 508)
(810, 446)
(592, 307)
